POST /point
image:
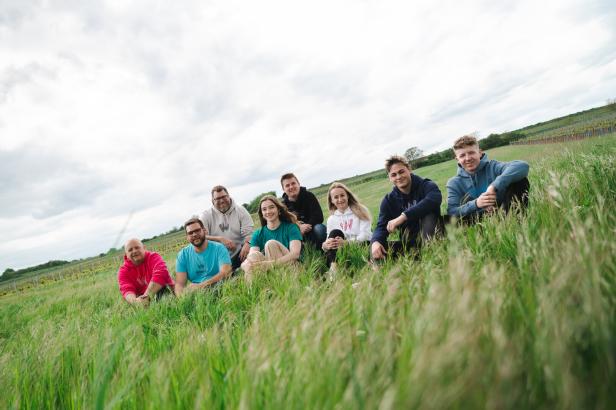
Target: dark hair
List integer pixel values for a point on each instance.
(288, 175)
(396, 159)
(219, 188)
(193, 220)
(284, 213)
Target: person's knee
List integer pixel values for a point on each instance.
(516, 192)
(518, 188)
(320, 232)
(428, 226)
(271, 245)
(246, 265)
(252, 257)
(336, 233)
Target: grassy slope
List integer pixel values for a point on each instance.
(512, 313)
(578, 122)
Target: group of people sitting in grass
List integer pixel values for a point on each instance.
(223, 239)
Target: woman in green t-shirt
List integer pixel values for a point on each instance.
(277, 242)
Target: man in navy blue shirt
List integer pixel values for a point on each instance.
(413, 206)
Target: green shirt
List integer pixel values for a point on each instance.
(285, 233)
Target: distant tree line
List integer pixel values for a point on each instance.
(12, 273)
(253, 206)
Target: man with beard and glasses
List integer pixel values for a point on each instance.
(230, 224)
(203, 262)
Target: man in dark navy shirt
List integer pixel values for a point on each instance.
(413, 206)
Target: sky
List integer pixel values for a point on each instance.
(117, 117)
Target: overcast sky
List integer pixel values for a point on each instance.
(117, 117)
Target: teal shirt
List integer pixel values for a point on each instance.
(285, 233)
(202, 266)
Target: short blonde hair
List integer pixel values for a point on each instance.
(465, 141)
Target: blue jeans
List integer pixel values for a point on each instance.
(316, 236)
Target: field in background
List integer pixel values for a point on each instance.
(594, 122)
(518, 312)
(370, 188)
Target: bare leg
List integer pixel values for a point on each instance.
(275, 250)
(248, 265)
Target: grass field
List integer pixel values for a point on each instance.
(578, 123)
(517, 312)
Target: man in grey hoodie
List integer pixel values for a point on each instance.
(229, 224)
(482, 186)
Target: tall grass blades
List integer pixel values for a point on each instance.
(518, 311)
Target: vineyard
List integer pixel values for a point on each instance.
(593, 123)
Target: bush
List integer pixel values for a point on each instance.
(253, 206)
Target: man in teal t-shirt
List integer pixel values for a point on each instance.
(285, 233)
(202, 262)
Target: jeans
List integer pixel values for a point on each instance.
(516, 193)
(429, 228)
(316, 236)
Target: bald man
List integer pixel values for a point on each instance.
(143, 276)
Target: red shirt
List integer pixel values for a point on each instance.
(136, 278)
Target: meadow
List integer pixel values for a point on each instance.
(516, 312)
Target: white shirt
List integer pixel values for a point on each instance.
(354, 229)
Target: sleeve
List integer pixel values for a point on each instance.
(380, 232)
(223, 256)
(508, 173)
(316, 214)
(160, 273)
(331, 220)
(125, 282)
(255, 240)
(429, 204)
(246, 223)
(206, 218)
(454, 200)
(364, 230)
(180, 262)
(294, 233)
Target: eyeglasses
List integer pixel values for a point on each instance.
(220, 198)
(193, 233)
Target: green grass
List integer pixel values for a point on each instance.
(599, 117)
(517, 312)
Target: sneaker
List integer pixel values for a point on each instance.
(332, 273)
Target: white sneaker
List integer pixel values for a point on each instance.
(332, 272)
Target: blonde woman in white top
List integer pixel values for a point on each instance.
(349, 221)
